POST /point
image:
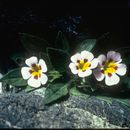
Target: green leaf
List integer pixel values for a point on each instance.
(29, 88)
(87, 45)
(33, 43)
(14, 78)
(55, 91)
(59, 59)
(61, 42)
(76, 92)
(54, 75)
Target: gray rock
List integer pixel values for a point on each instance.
(24, 110)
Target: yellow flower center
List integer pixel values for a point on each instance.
(35, 71)
(109, 67)
(83, 65)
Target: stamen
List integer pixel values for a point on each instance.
(85, 60)
(110, 60)
(33, 65)
(116, 67)
(103, 63)
(39, 75)
(78, 61)
(31, 71)
(77, 67)
(109, 74)
(102, 71)
(40, 67)
(36, 77)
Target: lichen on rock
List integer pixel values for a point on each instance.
(28, 111)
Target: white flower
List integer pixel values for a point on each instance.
(34, 73)
(82, 63)
(110, 67)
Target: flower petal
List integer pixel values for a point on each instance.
(43, 78)
(113, 80)
(87, 55)
(94, 63)
(85, 73)
(119, 61)
(71, 65)
(74, 70)
(43, 65)
(34, 82)
(101, 59)
(114, 55)
(121, 70)
(75, 57)
(31, 60)
(25, 72)
(98, 75)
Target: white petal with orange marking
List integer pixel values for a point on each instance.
(113, 80)
(101, 59)
(25, 72)
(34, 82)
(32, 60)
(76, 57)
(85, 73)
(43, 65)
(87, 55)
(98, 74)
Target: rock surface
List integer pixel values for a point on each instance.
(28, 111)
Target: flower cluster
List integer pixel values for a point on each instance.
(108, 67)
(82, 64)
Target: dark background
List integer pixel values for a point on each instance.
(35, 17)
